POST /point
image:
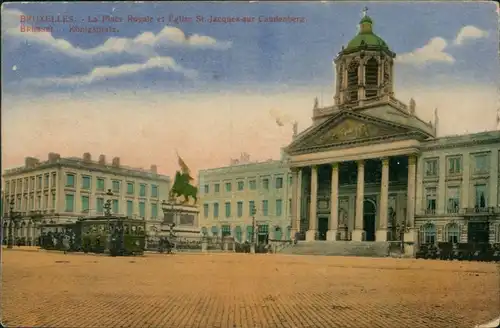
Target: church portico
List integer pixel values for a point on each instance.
(359, 200)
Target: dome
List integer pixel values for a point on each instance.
(366, 37)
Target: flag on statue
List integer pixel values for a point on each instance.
(279, 122)
(184, 168)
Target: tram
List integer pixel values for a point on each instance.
(114, 235)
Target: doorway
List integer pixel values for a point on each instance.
(322, 227)
(478, 232)
(369, 213)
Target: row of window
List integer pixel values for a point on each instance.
(453, 198)
(277, 233)
(252, 185)
(31, 183)
(86, 184)
(428, 233)
(262, 211)
(454, 166)
(32, 203)
(115, 206)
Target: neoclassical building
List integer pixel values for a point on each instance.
(369, 169)
(61, 189)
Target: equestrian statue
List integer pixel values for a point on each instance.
(182, 185)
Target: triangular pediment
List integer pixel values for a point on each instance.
(347, 128)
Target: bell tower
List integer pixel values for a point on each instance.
(364, 69)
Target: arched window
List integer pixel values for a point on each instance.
(371, 77)
(352, 80)
(288, 233)
(215, 231)
(277, 233)
(428, 234)
(452, 233)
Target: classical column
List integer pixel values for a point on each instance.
(294, 214)
(299, 199)
(334, 205)
(358, 232)
(381, 234)
(311, 233)
(410, 205)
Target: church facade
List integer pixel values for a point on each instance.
(369, 169)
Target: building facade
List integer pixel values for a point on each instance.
(63, 189)
(227, 195)
(369, 169)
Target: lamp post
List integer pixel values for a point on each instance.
(13, 217)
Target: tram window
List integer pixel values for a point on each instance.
(140, 230)
(111, 227)
(134, 229)
(125, 228)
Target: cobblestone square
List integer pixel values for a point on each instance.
(243, 290)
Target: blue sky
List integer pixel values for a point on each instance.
(443, 49)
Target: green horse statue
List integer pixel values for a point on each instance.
(182, 187)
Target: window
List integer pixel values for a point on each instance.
(154, 210)
(32, 183)
(481, 201)
(481, 164)
(228, 186)
(46, 181)
(428, 234)
(86, 182)
(46, 201)
(263, 229)
(431, 168)
(452, 232)
(130, 188)
(216, 210)
(39, 202)
(116, 206)
(277, 233)
(142, 190)
(240, 209)
(249, 233)
(130, 207)
(53, 201)
(142, 209)
(454, 165)
(265, 183)
(279, 183)
(116, 186)
(69, 203)
(206, 188)
(265, 207)
(205, 210)
(154, 191)
(453, 199)
(216, 187)
(290, 180)
(279, 207)
(430, 200)
(70, 180)
(228, 209)
(100, 184)
(85, 204)
(7, 184)
(226, 230)
(99, 205)
(238, 234)
(252, 184)
(241, 185)
(290, 206)
(39, 182)
(54, 175)
(251, 205)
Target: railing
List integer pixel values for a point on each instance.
(481, 210)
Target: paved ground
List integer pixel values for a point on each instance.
(243, 290)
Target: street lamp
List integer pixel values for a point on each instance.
(13, 216)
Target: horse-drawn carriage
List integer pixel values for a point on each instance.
(118, 236)
(460, 251)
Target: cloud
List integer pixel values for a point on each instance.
(469, 32)
(433, 51)
(144, 44)
(108, 72)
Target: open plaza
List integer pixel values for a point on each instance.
(52, 289)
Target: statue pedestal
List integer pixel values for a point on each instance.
(185, 219)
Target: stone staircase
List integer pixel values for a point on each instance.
(339, 248)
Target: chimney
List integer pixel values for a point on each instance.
(87, 157)
(102, 159)
(116, 161)
(31, 162)
(53, 157)
(154, 169)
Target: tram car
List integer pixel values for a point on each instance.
(117, 236)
